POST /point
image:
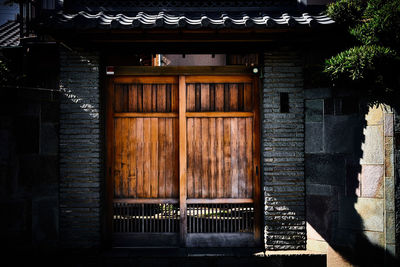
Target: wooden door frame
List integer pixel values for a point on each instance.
(181, 73)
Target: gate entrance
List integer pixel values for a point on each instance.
(183, 159)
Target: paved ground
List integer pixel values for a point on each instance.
(162, 257)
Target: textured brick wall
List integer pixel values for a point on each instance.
(80, 150)
(283, 152)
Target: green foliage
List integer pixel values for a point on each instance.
(374, 64)
(358, 62)
(346, 12)
(380, 25)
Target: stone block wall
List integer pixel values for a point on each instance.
(80, 150)
(283, 152)
(349, 174)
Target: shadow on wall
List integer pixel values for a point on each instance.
(345, 183)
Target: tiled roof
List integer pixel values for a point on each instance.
(9, 34)
(101, 20)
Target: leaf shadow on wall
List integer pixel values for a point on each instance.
(335, 217)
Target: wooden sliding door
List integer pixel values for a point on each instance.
(183, 155)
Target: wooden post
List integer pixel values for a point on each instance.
(182, 160)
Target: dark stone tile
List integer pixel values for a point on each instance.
(343, 134)
(29, 169)
(48, 139)
(27, 133)
(18, 216)
(328, 106)
(45, 221)
(50, 112)
(325, 169)
(314, 110)
(350, 105)
(314, 137)
(321, 214)
(317, 93)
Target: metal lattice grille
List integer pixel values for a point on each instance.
(220, 218)
(145, 218)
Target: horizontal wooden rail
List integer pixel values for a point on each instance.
(132, 79)
(147, 200)
(219, 79)
(219, 114)
(219, 200)
(145, 115)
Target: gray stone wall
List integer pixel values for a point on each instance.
(80, 150)
(283, 152)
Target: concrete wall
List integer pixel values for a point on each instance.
(349, 177)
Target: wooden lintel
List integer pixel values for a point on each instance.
(181, 70)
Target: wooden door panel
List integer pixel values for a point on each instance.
(145, 158)
(220, 158)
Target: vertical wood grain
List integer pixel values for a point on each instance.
(170, 159)
(220, 156)
(227, 158)
(197, 158)
(132, 98)
(118, 158)
(242, 158)
(140, 98)
(161, 98)
(176, 181)
(234, 157)
(191, 97)
(219, 97)
(132, 154)
(146, 157)
(205, 97)
(247, 95)
(162, 152)
(212, 159)
(139, 157)
(154, 157)
(190, 157)
(233, 97)
(147, 97)
(204, 155)
(249, 157)
(124, 156)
